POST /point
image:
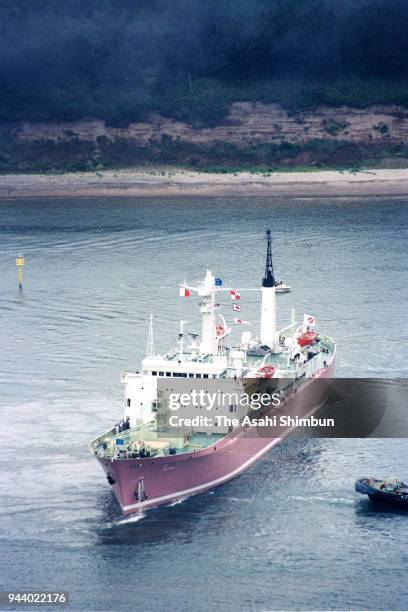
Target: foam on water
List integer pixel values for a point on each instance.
(128, 520)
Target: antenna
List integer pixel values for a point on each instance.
(150, 340)
(269, 279)
(181, 339)
(268, 306)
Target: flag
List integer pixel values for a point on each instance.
(235, 295)
(218, 282)
(241, 322)
(236, 307)
(309, 320)
(184, 292)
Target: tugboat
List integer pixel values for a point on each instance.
(147, 467)
(390, 491)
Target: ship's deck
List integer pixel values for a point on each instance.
(146, 441)
(201, 441)
(323, 347)
(141, 441)
(278, 360)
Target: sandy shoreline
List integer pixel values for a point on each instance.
(180, 183)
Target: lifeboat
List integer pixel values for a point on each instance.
(307, 338)
(266, 372)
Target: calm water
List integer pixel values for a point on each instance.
(288, 534)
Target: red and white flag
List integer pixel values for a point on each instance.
(184, 292)
(241, 322)
(235, 295)
(236, 307)
(309, 320)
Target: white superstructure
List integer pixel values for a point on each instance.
(274, 354)
(268, 318)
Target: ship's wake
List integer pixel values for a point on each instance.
(127, 520)
(178, 501)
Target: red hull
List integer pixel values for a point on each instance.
(170, 478)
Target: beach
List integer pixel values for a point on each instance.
(179, 183)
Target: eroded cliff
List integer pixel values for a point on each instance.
(252, 134)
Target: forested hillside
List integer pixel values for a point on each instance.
(177, 67)
(189, 59)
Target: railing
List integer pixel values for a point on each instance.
(131, 373)
(110, 437)
(329, 344)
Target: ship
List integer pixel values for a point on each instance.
(280, 287)
(147, 465)
(390, 491)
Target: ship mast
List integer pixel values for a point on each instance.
(150, 340)
(207, 309)
(268, 308)
(268, 280)
(206, 289)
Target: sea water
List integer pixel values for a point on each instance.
(290, 533)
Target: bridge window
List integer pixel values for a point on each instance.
(154, 373)
(128, 401)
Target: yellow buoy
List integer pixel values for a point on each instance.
(20, 264)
